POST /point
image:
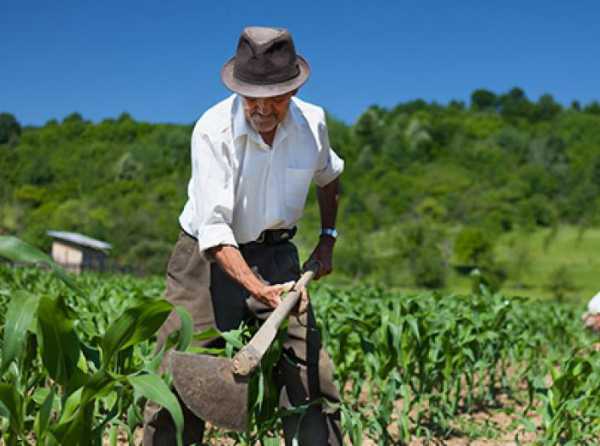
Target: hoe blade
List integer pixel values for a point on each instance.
(210, 390)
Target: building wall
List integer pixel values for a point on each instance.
(93, 259)
(70, 257)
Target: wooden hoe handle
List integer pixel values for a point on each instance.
(248, 358)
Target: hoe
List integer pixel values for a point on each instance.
(216, 389)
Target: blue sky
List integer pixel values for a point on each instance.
(160, 61)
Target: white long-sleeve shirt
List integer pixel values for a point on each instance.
(241, 186)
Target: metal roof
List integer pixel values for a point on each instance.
(79, 239)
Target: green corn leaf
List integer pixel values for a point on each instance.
(206, 351)
(134, 417)
(136, 325)
(261, 391)
(60, 348)
(127, 429)
(186, 329)
(18, 251)
(71, 406)
(206, 335)
(51, 440)
(110, 417)
(13, 404)
(4, 412)
(40, 394)
(414, 326)
(77, 430)
(154, 363)
(153, 388)
(98, 386)
(113, 436)
(234, 338)
(20, 314)
(78, 379)
(91, 354)
(43, 416)
(75, 423)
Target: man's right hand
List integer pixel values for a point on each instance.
(271, 294)
(231, 261)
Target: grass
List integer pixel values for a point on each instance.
(546, 252)
(531, 259)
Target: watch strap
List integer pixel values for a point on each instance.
(331, 232)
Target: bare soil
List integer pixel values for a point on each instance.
(502, 426)
(485, 426)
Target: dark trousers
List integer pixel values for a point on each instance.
(215, 300)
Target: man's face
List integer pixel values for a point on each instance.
(264, 114)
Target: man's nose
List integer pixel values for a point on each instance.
(263, 105)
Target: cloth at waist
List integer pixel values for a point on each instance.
(267, 237)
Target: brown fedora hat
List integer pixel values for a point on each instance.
(265, 64)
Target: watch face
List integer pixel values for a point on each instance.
(330, 232)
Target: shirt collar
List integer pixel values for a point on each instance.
(241, 127)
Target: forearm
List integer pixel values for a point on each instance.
(230, 259)
(328, 198)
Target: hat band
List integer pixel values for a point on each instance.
(266, 79)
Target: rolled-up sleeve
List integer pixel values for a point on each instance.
(213, 193)
(330, 164)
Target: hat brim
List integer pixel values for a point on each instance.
(266, 90)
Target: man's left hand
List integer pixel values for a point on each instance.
(323, 253)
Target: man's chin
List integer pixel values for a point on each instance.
(264, 128)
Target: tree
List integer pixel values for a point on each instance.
(419, 140)
(515, 104)
(456, 105)
(593, 108)
(73, 118)
(420, 243)
(483, 100)
(10, 129)
(546, 108)
(560, 283)
(369, 129)
(473, 247)
(517, 164)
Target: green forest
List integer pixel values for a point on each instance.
(503, 190)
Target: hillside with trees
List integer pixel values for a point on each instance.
(428, 190)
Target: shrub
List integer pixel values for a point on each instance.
(421, 246)
(473, 247)
(428, 267)
(560, 282)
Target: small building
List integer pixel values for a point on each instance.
(77, 252)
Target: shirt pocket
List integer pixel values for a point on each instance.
(297, 182)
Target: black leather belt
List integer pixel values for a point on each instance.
(268, 237)
(275, 236)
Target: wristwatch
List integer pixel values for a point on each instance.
(331, 232)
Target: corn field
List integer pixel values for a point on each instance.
(78, 362)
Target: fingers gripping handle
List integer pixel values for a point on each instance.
(248, 358)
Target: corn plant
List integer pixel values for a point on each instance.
(77, 360)
(59, 390)
(571, 405)
(420, 360)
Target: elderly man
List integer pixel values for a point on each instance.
(254, 156)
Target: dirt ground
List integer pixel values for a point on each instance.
(497, 426)
(499, 421)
